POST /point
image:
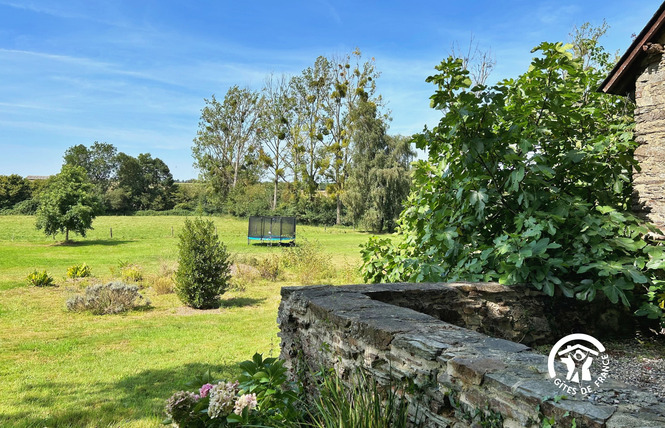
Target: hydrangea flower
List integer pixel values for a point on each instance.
(179, 406)
(246, 400)
(203, 392)
(222, 398)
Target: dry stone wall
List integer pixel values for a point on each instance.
(461, 376)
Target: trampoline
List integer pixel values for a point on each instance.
(272, 230)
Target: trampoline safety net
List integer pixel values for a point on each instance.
(271, 229)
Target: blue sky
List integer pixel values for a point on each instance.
(135, 73)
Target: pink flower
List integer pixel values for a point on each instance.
(205, 389)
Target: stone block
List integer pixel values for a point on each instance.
(472, 370)
(635, 420)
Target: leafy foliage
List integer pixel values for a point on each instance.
(527, 182)
(301, 134)
(261, 397)
(67, 203)
(131, 273)
(79, 271)
(142, 183)
(204, 267)
(26, 207)
(39, 278)
(380, 178)
(275, 396)
(99, 161)
(225, 140)
(124, 183)
(13, 189)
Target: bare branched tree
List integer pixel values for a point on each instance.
(479, 63)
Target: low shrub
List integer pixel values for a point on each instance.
(27, 207)
(246, 259)
(262, 396)
(269, 267)
(40, 278)
(110, 298)
(79, 271)
(243, 275)
(117, 270)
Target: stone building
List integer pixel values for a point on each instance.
(640, 74)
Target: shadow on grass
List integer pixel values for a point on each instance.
(274, 244)
(134, 397)
(238, 302)
(100, 242)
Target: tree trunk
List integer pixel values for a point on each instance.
(274, 195)
(66, 235)
(235, 174)
(339, 211)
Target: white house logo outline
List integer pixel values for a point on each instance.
(578, 358)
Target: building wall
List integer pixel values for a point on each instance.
(649, 183)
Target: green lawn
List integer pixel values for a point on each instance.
(68, 369)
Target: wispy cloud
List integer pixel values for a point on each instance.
(331, 11)
(73, 10)
(11, 54)
(12, 107)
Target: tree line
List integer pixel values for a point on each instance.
(318, 138)
(314, 145)
(119, 183)
(124, 183)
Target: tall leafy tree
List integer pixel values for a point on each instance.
(67, 203)
(143, 183)
(99, 161)
(13, 189)
(158, 191)
(351, 82)
(226, 137)
(379, 178)
(527, 182)
(310, 156)
(274, 130)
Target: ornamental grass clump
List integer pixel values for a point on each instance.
(362, 403)
(110, 298)
(203, 268)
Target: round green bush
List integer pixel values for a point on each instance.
(204, 268)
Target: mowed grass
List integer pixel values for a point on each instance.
(71, 369)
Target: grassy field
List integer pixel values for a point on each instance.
(75, 369)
